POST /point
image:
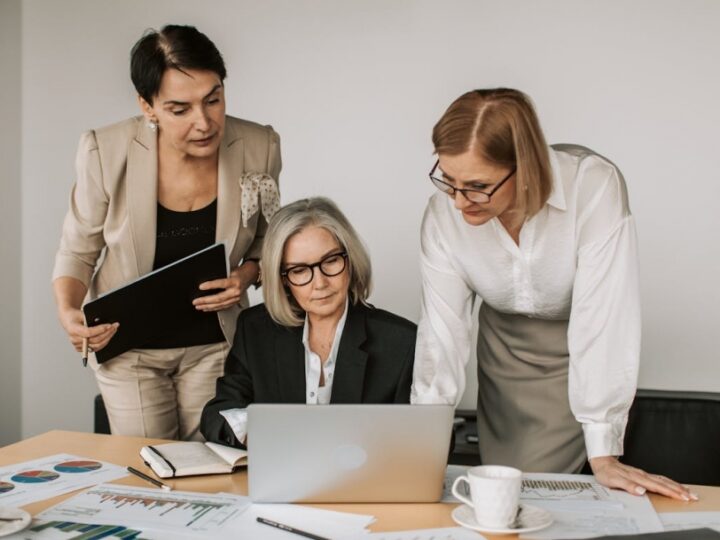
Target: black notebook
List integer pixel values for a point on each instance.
(158, 304)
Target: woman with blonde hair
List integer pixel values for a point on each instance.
(544, 237)
(315, 340)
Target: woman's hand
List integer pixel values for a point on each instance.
(235, 285)
(73, 322)
(613, 474)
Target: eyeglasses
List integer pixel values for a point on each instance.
(471, 194)
(302, 274)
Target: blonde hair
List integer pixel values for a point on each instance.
(501, 126)
(292, 219)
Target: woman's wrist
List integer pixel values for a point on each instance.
(600, 462)
(251, 271)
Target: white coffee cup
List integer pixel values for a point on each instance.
(495, 494)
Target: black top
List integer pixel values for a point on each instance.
(180, 234)
(267, 365)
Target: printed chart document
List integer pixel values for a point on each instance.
(572, 491)
(23, 483)
(181, 513)
(680, 521)
(156, 514)
(449, 533)
(191, 458)
(67, 530)
(582, 508)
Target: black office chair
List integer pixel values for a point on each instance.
(100, 418)
(676, 434)
(673, 433)
(465, 448)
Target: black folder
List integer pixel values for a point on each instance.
(158, 304)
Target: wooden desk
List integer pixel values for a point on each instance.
(390, 517)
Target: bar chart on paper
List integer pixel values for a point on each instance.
(67, 530)
(150, 508)
(562, 489)
(565, 488)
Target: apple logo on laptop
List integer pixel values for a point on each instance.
(349, 457)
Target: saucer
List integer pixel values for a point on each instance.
(530, 518)
(9, 527)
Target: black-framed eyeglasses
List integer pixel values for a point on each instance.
(471, 194)
(330, 265)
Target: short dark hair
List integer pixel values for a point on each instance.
(173, 47)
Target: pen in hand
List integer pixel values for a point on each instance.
(85, 351)
(150, 479)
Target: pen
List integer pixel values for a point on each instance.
(150, 479)
(290, 529)
(85, 351)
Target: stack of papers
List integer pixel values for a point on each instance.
(154, 513)
(580, 506)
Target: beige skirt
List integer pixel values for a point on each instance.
(523, 412)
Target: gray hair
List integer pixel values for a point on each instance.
(290, 220)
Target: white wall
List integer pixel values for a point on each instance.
(10, 365)
(354, 88)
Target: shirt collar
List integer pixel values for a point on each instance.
(557, 196)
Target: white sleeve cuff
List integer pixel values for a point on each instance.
(237, 420)
(603, 439)
(430, 397)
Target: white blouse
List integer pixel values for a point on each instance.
(577, 260)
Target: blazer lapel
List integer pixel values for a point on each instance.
(141, 178)
(290, 359)
(230, 168)
(351, 360)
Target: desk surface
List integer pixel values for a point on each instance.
(390, 517)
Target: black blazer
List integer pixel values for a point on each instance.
(266, 364)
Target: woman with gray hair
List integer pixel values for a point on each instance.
(315, 340)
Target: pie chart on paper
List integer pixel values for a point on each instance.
(6, 486)
(34, 477)
(78, 466)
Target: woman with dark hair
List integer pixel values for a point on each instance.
(149, 191)
(544, 237)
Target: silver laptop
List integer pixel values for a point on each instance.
(347, 453)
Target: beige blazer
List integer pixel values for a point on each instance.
(108, 236)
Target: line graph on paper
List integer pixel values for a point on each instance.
(565, 489)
